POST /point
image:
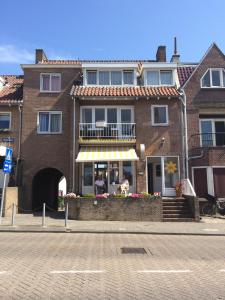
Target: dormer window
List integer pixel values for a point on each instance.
(159, 77)
(213, 78)
(50, 82)
(114, 77)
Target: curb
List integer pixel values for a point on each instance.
(68, 230)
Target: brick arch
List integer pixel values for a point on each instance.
(45, 188)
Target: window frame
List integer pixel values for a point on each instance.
(50, 112)
(213, 121)
(122, 71)
(222, 83)
(159, 76)
(153, 118)
(10, 120)
(50, 83)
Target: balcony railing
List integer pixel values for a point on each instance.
(102, 130)
(205, 140)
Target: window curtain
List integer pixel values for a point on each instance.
(43, 122)
(55, 123)
(104, 77)
(56, 82)
(46, 82)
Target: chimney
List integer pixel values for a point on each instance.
(175, 57)
(161, 54)
(40, 56)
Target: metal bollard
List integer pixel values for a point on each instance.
(43, 216)
(13, 214)
(66, 215)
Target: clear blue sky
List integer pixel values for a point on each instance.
(107, 29)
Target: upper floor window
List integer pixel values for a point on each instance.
(50, 82)
(159, 115)
(117, 77)
(50, 122)
(5, 121)
(214, 78)
(159, 77)
(212, 132)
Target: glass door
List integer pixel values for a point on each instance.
(170, 175)
(126, 119)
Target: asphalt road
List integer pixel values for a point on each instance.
(92, 266)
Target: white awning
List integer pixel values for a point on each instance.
(89, 154)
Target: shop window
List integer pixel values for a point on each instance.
(128, 171)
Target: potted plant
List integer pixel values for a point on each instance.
(178, 189)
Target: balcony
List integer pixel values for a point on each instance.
(207, 140)
(102, 132)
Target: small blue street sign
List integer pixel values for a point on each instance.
(7, 167)
(8, 155)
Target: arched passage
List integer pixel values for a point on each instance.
(45, 188)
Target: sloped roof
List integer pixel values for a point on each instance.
(12, 91)
(184, 72)
(137, 91)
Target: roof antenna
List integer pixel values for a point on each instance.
(175, 45)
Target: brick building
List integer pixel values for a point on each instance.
(116, 119)
(11, 99)
(204, 86)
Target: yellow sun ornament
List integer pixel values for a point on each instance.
(171, 167)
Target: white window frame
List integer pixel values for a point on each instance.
(152, 116)
(109, 70)
(10, 120)
(51, 74)
(213, 130)
(158, 70)
(51, 112)
(118, 109)
(222, 84)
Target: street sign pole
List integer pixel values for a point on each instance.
(3, 197)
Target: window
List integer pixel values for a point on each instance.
(50, 82)
(116, 77)
(91, 77)
(128, 171)
(128, 77)
(159, 115)
(163, 77)
(213, 78)
(49, 122)
(212, 132)
(99, 114)
(87, 115)
(5, 121)
(88, 174)
(114, 172)
(104, 78)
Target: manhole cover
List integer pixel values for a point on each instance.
(127, 250)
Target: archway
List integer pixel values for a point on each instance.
(45, 188)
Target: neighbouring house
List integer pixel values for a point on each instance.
(204, 86)
(114, 118)
(11, 100)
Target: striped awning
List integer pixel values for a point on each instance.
(106, 154)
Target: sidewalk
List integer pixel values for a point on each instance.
(33, 223)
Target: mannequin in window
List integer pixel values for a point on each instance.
(100, 185)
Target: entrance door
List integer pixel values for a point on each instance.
(200, 182)
(101, 169)
(154, 168)
(219, 182)
(170, 175)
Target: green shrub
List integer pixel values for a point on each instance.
(88, 196)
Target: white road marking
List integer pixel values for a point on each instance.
(210, 229)
(3, 272)
(122, 228)
(164, 271)
(77, 271)
(222, 270)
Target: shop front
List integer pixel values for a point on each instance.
(110, 164)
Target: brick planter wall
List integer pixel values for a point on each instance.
(116, 209)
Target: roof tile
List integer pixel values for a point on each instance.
(12, 91)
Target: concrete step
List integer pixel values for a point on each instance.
(178, 220)
(177, 215)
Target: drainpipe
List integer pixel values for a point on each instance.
(19, 141)
(74, 139)
(184, 102)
